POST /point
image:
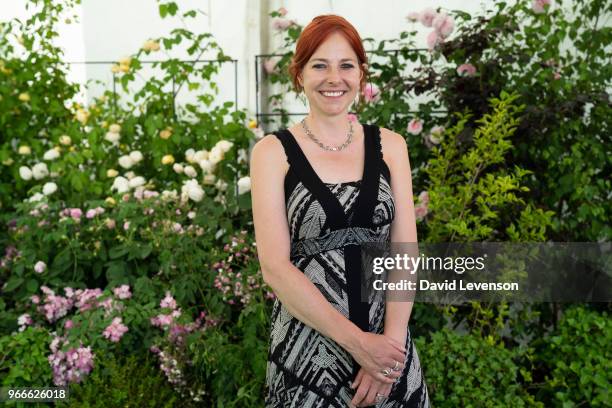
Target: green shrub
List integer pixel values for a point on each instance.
(23, 358)
(123, 382)
(468, 371)
(578, 359)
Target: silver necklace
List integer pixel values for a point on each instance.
(325, 147)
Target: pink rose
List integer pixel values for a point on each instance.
(415, 126)
(420, 212)
(538, 6)
(76, 213)
(282, 11)
(433, 39)
(352, 118)
(413, 16)
(90, 213)
(115, 330)
(68, 325)
(466, 69)
(282, 24)
(270, 65)
(427, 16)
(443, 24)
(424, 198)
(371, 93)
(122, 292)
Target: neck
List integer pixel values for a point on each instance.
(329, 127)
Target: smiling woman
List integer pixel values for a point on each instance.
(329, 347)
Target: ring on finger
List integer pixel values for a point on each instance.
(396, 366)
(379, 397)
(386, 372)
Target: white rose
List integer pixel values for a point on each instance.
(49, 188)
(189, 155)
(244, 185)
(178, 168)
(25, 173)
(209, 179)
(224, 145)
(206, 166)
(215, 155)
(200, 155)
(193, 190)
(40, 171)
(190, 171)
(242, 156)
(51, 154)
(126, 162)
(221, 185)
(121, 184)
(115, 128)
(137, 182)
(130, 175)
(168, 195)
(36, 197)
(136, 156)
(65, 140)
(112, 137)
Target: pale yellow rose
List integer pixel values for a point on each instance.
(166, 133)
(24, 97)
(252, 124)
(65, 140)
(167, 159)
(24, 150)
(111, 173)
(110, 201)
(115, 128)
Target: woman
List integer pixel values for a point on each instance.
(319, 189)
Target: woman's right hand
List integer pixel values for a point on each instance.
(376, 353)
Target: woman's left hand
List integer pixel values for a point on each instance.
(367, 389)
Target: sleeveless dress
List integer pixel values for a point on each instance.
(327, 223)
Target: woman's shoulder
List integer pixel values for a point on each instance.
(269, 149)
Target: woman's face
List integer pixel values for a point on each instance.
(331, 77)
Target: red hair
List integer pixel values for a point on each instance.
(314, 34)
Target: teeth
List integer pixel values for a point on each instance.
(332, 93)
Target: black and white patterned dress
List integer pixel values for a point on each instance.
(327, 222)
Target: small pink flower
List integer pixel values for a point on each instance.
(24, 321)
(415, 126)
(122, 292)
(282, 11)
(420, 212)
(270, 65)
(76, 213)
(35, 299)
(282, 24)
(110, 223)
(443, 24)
(168, 301)
(126, 225)
(427, 16)
(68, 325)
(413, 16)
(40, 267)
(433, 39)
(115, 330)
(90, 213)
(371, 93)
(556, 75)
(538, 5)
(353, 118)
(466, 70)
(424, 198)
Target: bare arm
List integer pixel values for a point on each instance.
(296, 292)
(403, 228)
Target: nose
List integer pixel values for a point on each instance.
(333, 77)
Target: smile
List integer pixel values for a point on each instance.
(332, 94)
